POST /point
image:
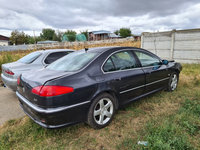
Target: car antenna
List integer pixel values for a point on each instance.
(86, 49)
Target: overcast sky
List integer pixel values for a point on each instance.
(138, 15)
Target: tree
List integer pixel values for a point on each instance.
(71, 35)
(47, 34)
(38, 38)
(117, 32)
(19, 37)
(125, 32)
(85, 33)
(58, 36)
(13, 37)
(31, 40)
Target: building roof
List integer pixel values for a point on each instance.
(113, 35)
(100, 32)
(4, 38)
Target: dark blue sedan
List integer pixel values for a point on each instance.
(90, 85)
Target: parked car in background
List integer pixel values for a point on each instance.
(35, 60)
(90, 85)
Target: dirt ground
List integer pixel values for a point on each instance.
(9, 105)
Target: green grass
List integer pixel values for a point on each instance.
(176, 131)
(167, 120)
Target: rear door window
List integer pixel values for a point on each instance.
(124, 60)
(54, 56)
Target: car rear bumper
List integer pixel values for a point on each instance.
(54, 117)
(10, 83)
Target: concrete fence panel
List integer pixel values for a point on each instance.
(180, 45)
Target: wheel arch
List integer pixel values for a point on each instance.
(178, 68)
(110, 92)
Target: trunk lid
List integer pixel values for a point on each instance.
(33, 79)
(9, 67)
(17, 68)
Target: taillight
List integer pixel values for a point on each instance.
(9, 72)
(18, 80)
(51, 90)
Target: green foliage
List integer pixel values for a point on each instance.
(31, 40)
(192, 106)
(19, 37)
(172, 132)
(189, 123)
(22, 38)
(117, 32)
(189, 69)
(167, 136)
(85, 33)
(124, 32)
(58, 36)
(50, 34)
(71, 35)
(47, 34)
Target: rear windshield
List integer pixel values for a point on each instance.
(72, 62)
(30, 57)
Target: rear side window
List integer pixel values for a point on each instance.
(73, 61)
(120, 61)
(30, 57)
(54, 56)
(108, 66)
(147, 59)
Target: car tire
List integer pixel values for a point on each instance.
(173, 82)
(101, 111)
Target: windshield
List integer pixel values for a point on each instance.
(72, 62)
(29, 58)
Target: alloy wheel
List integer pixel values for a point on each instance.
(174, 82)
(103, 111)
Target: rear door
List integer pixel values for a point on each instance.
(157, 74)
(125, 75)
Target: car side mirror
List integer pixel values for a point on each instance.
(165, 62)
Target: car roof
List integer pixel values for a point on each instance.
(55, 50)
(104, 49)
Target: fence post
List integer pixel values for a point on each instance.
(142, 40)
(172, 43)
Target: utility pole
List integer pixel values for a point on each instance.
(34, 36)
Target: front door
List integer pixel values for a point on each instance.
(157, 74)
(125, 75)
